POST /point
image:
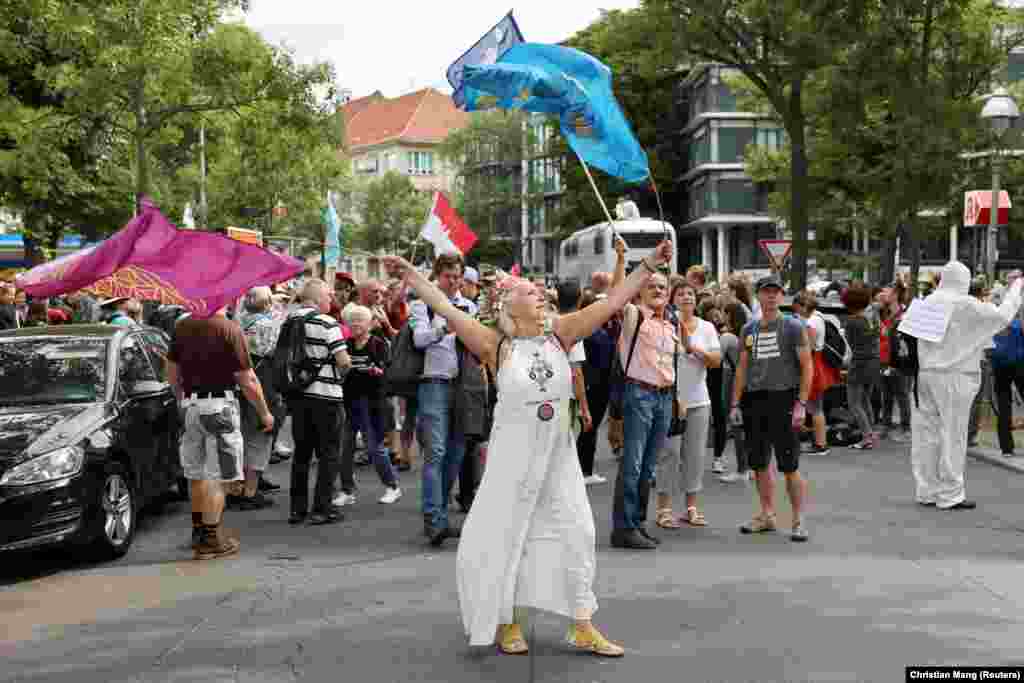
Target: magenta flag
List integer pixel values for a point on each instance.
(151, 259)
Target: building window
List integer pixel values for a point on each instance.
(700, 204)
(700, 147)
(552, 176)
(551, 209)
(769, 137)
(535, 219)
(421, 163)
(735, 195)
(732, 143)
(368, 164)
(598, 243)
(1015, 65)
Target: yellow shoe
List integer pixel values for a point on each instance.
(511, 640)
(593, 642)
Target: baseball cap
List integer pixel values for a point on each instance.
(769, 281)
(471, 275)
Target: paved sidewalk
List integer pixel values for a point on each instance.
(993, 457)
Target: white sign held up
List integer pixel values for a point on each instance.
(927, 320)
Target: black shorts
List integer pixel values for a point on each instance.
(767, 420)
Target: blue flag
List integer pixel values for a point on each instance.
(571, 84)
(332, 225)
(502, 36)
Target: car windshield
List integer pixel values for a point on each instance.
(52, 370)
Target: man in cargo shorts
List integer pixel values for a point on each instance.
(207, 365)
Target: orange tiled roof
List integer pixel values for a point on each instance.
(424, 116)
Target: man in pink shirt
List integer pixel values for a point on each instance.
(646, 407)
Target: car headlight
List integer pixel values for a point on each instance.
(57, 464)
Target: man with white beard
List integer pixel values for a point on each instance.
(949, 378)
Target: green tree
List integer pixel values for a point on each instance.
(127, 73)
(393, 213)
(778, 45)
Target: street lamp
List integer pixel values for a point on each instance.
(1000, 111)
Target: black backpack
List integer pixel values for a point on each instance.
(836, 351)
(405, 363)
(293, 369)
(903, 353)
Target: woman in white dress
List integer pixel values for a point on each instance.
(529, 539)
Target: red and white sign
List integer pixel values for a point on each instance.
(777, 251)
(446, 230)
(978, 207)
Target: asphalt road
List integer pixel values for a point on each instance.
(882, 584)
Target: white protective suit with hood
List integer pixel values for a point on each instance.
(949, 379)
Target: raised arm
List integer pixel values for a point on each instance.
(575, 326)
(620, 262)
(482, 341)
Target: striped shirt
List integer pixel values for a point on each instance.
(323, 340)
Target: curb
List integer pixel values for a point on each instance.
(994, 457)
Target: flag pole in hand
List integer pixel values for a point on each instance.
(608, 215)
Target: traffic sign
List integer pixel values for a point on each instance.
(777, 251)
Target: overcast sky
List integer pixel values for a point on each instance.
(397, 46)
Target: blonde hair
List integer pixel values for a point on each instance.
(355, 312)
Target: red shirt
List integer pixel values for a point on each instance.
(884, 352)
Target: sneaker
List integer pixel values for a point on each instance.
(799, 534)
(332, 516)
(594, 479)
(900, 436)
(717, 466)
(759, 524)
(818, 450)
(733, 477)
(391, 495)
(343, 499)
(1008, 454)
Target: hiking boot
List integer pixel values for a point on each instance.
(267, 486)
(631, 539)
(759, 524)
(647, 534)
(216, 544)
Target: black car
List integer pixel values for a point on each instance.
(89, 434)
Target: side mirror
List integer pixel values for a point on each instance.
(146, 389)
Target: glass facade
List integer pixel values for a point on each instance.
(735, 194)
(744, 250)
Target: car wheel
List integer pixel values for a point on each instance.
(115, 516)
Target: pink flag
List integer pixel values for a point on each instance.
(445, 230)
(152, 259)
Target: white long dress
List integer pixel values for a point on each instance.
(529, 539)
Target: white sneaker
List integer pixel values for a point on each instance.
(733, 477)
(594, 479)
(391, 495)
(343, 499)
(717, 466)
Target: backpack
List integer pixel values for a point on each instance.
(1008, 351)
(405, 363)
(292, 368)
(836, 352)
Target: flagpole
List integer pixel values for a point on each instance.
(608, 215)
(419, 236)
(661, 211)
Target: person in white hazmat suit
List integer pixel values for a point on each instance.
(949, 379)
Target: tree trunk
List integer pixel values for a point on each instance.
(141, 129)
(798, 212)
(913, 243)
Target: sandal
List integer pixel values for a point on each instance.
(695, 517)
(666, 520)
(512, 641)
(593, 642)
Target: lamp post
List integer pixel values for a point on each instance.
(1000, 111)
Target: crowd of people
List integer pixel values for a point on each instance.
(676, 365)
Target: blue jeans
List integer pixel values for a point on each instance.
(442, 450)
(368, 417)
(646, 416)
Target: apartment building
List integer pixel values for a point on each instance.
(726, 212)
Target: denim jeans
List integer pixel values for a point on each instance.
(367, 415)
(646, 416)
(442, 450)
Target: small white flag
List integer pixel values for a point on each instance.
(187, 221)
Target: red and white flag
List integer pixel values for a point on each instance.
(445, 229)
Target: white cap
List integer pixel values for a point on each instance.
(471, 275)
